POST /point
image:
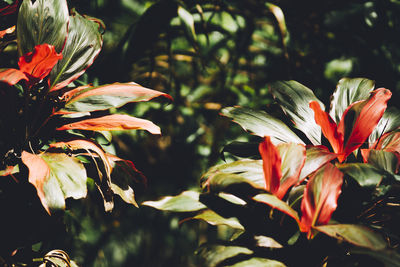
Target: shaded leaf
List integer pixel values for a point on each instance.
(214, 254)
(12, 76)
(384, 160)
(278, 204)
(112, 123)
(42, 22)
(389, 122)
(388, 257)
(188, 21)
(87, 99)
(355, 234)
(294, 98)
(262, 124)
(81, 48)
(214, 219)
(316, 157)
(185, 202)
(259, 262)
(347, 92)
(271, 165)
(364, 174)
(230, 182)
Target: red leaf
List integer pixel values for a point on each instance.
(271, 165)
(38, 64)
(12, 76)
(9, 9)
(39, 172)
(113, 122)
(369, 111)
(328, 127)
(320, 197)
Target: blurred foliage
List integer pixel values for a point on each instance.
(208, 55)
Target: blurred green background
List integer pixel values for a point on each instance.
(208, 55)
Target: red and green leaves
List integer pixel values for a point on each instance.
(357, 123)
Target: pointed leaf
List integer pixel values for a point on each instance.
(259, 262)
(187, 201)
(389, 257)
(278, 204)
(320, 197)
(88, 99)
(389, 142)
(366, 175)
(271, 165)
(81, 48)
(355, 234)
(262, 124)
(316, 157)
(214, 254)
(228, 182)
(42, 22)
(360, 119)
(188, 21)
(347, 92)
(112, 123)
(384, 160)
(389, 122)
(213, 218)
(12, 76)
(294, 98)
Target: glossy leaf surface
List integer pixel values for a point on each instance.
(316, 157)
(214, 219)
(278, 204)
(187, 201)
(389, 122)
(259, 262)
(12, 76)
(214, 254)
(365, 174)
(271, 165)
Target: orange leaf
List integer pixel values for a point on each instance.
(113, 122)
(12, 76)
(39, 172)
(271, 165)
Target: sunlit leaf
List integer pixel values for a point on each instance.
(42, 22)
(389, 122)
(355, 234)
(214, 219)
(262, 124)
(316, 157)
(12, 76)
(185, 202)
(259, 262)
(81, 48)
(278, 204)
(267, 242)
(112, 123)
(295, 98)
(188, 21)
(87, 99)
(214, 254)
(365, 174)
(347, 92)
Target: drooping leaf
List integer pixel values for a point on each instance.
(267, 242)
(365, 174)
(42, 22)
(12, 76)
(214, 254)
(262, 124)
(360, 119)
(81, 48)
(389, 122)
(355, 234)
(187, 201)
(88, 99)
(259, 262)
(112, 123)
(278, 204)
(295, 98)
(320, 197)
(214, 219)
(271, 165)
(316, 157)
(347, 92)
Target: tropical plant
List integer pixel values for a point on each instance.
(343, 200)
(53, 126)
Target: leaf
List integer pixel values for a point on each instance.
(214, 219)
(347, 92)
(388, 257)
(112, 123)
(42, 22)
(320, 197)
(294, 98)
(364, 174)
(262, 124)
(214, 254)
(389, 122)
(271, 165)
(88, 99)
(188, 21)
(81, 48)
(259, 262)
(316, 157)
(267, 242)
(389, 142)
(12, 76)
(360, 119)
(384, 160)
(356, 234)
(278, 204)
(187, 201)
(229, 183)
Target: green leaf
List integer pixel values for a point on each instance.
(316, 157)
(389, 122)
(259, 262)
(185, 202)
(81, 48)
(383, 160)
(214, 254)
(188, 21)
(364, 174)
(278, 204)
(355, 234)
(230, 182)
(214, 219)
(67, 179)
(262, 124)
(106, 96)
(347, 92)
(44, 21)
(295, 98)
(389, 257)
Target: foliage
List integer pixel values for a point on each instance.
(302, 194)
